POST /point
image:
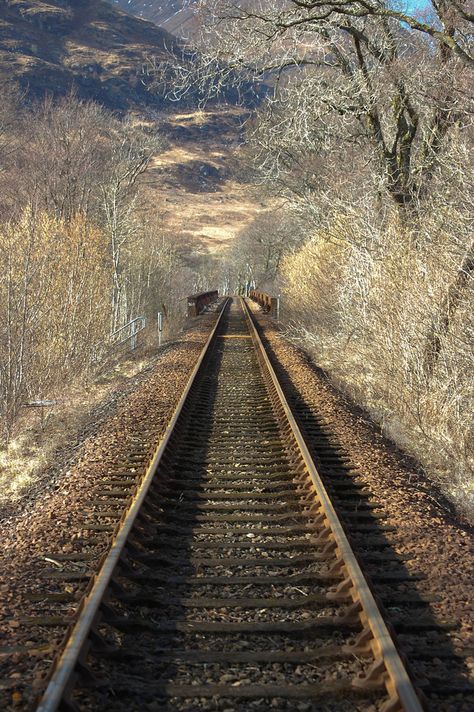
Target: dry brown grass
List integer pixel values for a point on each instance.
(364, 300)
(41, 435)
(209, 218)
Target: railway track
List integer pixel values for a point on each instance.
(230, 583)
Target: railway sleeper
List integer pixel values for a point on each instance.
(234, 386)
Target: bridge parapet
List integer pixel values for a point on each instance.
(197, 302)
(268, 303)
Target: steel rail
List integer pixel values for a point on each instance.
(69, 658)
(399, 686)
(388, 668)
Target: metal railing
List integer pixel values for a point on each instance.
(269, 303)
(134, 326)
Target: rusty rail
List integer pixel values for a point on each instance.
(268, 303)
(197, 302)
(388, 668)
(307, 500)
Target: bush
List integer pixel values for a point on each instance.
(367, 300)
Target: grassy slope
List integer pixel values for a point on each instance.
(51, 46)
(175, 16)
(204, 199)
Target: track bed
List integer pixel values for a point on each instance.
(233, 586)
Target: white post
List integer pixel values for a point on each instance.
(160, 327)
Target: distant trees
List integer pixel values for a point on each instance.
(130, 155)
(83, 161)
(259, 249)
(8, 113)
(67, 154)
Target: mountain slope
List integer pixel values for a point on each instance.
(50, 46)
(175, 16)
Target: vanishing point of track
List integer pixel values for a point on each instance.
(230, 583)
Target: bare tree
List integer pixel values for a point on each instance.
(78, 252)
(66, 156)
(345, 76)
(363, 102)
(364, 130)
(83, 161)
(131, 152)
(259, 248)
(9, 109)
(449, 24)
(451, 199)
(363, 297)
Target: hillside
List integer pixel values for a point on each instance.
(54, 45)
(202, 196)
(175, 16)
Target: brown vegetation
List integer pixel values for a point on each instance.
(365, 314)
(82, 245)
(366, 141)
(52, 47)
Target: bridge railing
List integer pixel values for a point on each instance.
(197, 302)
(269, 304)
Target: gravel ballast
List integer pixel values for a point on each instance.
(438, 545)
(51, 517)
